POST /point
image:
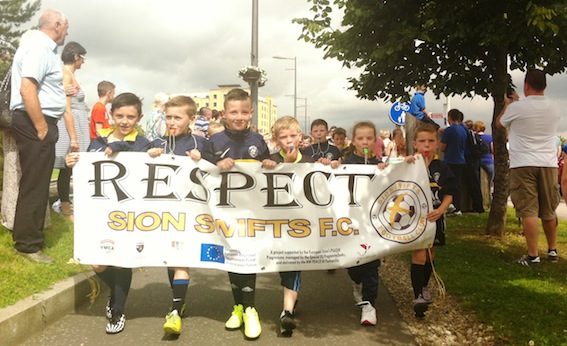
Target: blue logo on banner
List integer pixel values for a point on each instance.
(212, 253)
(398, 112)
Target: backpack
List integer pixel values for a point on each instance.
(478, 146)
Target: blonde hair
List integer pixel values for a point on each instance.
(285, 123)
(215, 128)
(185, 102)
(479, 126)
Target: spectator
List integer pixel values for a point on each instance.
(203, 121)
(453, 143)
(100, 117)
(487, 161)
(155, 126)
(397, 146)
(38, 102)
(76, 122)
(472, 172)
(385, 134)
(339, 138)
(306, 141)
(532, 124)
(419, 112)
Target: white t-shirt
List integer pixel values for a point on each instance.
(533, 125)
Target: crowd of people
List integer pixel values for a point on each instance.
(52, 124)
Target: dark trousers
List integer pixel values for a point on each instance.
(367, 274)
(457, 171)
(36, 161)
(472, 178)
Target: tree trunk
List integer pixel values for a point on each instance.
(497, 219)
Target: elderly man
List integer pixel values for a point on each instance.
(38, 101)
(533, 163)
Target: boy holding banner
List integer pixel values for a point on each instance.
(365, 276)
(238, 142)
(443, 186)
(179, 115)
(287, 135)
(126, 112)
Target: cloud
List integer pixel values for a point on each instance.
(150, 46)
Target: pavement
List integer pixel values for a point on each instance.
(326, 314)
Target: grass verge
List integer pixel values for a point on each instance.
(521, 303)
(20, 278)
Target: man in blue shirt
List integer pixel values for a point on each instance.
(38, 101)
(417, 107)
(453, 144)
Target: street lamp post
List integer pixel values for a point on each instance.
(294, 81)
(305, 111)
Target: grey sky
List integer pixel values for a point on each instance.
(150, 46)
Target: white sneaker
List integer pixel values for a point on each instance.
(367, 314)
(357, 292)
(451, 208)
(426, 295)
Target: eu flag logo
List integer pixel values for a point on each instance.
(212, 253)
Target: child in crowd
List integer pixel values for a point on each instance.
(99, 115)
(126, 112)
(397, 146)
(364, 276)
(215, 128)
(321, 150)
(237, 142)
(287, 135)
(179, 115)
(339, 140)
(306, 141)
(443, 183)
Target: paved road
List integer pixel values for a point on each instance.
(325, 314)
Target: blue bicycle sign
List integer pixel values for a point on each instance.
(398, 112)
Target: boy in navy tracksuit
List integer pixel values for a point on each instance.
(126, 111)
(179, 115)
(238, 142)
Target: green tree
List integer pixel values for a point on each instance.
(455, 47)
(13, 14)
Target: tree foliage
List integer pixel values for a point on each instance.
(13, 14)
(455, 47)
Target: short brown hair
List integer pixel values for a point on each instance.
(104, 87)
(183, 101)
(536, 79)
(426, 128)
(236, 95)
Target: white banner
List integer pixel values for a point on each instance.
(134, 210)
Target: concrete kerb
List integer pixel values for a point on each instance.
(33, 314)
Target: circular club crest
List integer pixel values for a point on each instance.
(253, 151)
(398, 214)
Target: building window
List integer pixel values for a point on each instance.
(215, 104)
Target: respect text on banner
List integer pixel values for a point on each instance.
(133, 210)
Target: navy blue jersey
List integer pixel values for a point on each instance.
(322, 149)
(132, 142)
(238, 145)
(443, 183)
(359, 160)
(181, 144)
